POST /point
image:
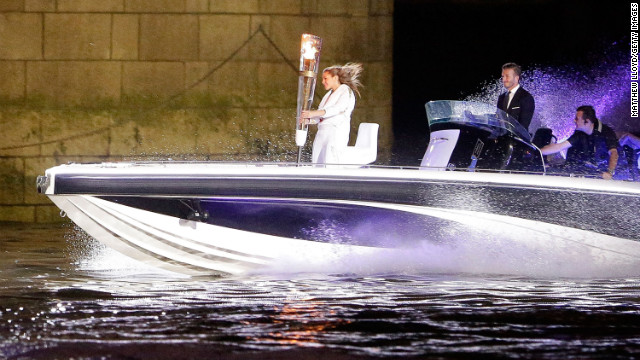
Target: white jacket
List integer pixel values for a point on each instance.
(333, 131)
(338, 106)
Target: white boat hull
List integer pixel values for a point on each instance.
(192, 247)
(198, 248)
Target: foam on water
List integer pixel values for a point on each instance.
(97, 258)
(488, 244)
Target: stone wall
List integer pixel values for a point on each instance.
(109, 80)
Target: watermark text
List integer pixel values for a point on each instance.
(634, 60)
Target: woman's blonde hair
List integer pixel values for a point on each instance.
(348, 74)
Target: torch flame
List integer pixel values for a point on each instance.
(308, 50)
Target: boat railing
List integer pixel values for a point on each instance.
(277, 164)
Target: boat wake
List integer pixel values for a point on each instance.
(483, 243)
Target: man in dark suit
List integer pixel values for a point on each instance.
(516, 101)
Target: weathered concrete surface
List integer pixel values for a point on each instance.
(20, 36)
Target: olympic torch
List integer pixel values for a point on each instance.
(309, 60)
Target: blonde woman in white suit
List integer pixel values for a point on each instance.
(334, 112)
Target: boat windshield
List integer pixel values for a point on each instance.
(474, 114)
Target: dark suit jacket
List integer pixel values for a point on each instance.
(521, 107)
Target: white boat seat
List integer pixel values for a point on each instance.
(366, 149)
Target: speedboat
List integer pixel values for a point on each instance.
(481, 177)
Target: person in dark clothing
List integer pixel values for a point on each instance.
(593, 147)
(516, 101)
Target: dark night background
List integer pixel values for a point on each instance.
(448, 49)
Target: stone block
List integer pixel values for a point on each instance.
(168, 37)
(197, 6)
(125, 138)
(12, 5)
(154, 6)
(343, 7)
(40, 5)
(11, 181)
(49, 214)
(88, 83)
(170, 133)
(20, 133)
(80, 133)
(356, 39)
(13, 80)
(286, 32)
(77, 36)
(234, 6)
(259, 47)
(281, 6)
(329, 28)
(125, 37)
(152, 82)
(235, 83)
(381, 7)
(90, 6)
(33, 167)
(378, 81)
(20, 36)
(17, 213)
(197, 75)
(278, 85)
(222, 35)
(381, 38)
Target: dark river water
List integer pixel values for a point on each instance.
(63, 296)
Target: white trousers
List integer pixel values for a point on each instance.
(329, 144)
